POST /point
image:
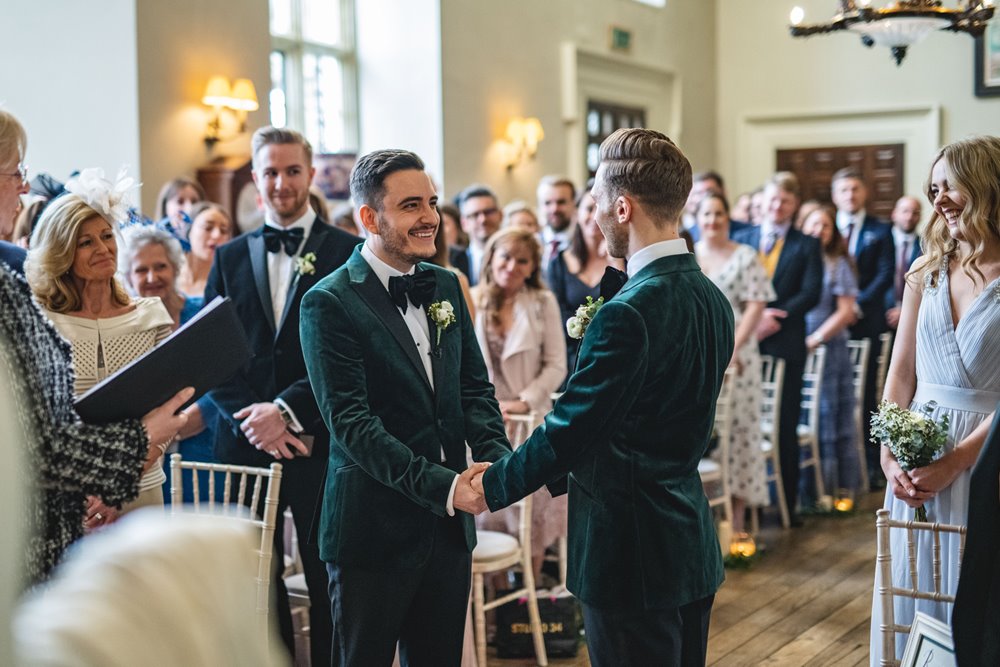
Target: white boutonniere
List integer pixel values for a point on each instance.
(577, 325)
(442, 313)
(305, 265)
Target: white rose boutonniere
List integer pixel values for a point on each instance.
(442, 313)
(306, 264)
(577, 325)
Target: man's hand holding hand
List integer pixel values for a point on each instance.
(262, 423)
(469, 495)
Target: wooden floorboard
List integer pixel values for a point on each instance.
(806, 602)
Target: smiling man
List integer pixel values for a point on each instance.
(402, 392)
(269, 406)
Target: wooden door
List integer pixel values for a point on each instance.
(880, 165)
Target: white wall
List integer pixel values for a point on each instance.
(502, 59)
(832, 85)
(399, 67)
(69, 75)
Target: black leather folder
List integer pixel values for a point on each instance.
(209, 349)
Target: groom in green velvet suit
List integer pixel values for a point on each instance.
(401, 383)
(633, 423)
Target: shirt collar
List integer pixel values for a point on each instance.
(305, 221)
(844, 218)
(898, 235)
(767, 227)
(653, 252)
(381, 270)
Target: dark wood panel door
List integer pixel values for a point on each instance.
(881, 166)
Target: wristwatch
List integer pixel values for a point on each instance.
(286, 417)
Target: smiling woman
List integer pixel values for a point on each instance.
(71, 270)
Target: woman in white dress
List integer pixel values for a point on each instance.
(71, 270)
(738, 273)
(946, 351)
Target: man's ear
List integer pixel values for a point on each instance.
(624, 208)
(369, 218)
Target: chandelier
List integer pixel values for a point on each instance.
(901, 24)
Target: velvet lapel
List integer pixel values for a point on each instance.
(258, 262)
(371, 291)
(300, 283)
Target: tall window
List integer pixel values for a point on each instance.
(602, 120)
(314, 71)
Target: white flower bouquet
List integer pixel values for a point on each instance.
(577, 325)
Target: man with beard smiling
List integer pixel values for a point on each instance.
(557, 207)
(403, 391)
(269, 407)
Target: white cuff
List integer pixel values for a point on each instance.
(296, 426)
(450, 505)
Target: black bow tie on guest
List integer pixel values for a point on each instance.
(612, 282)
(290, 239)
(419, 287)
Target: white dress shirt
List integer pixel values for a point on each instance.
(416, 322)
(653, 252)
(844, 219)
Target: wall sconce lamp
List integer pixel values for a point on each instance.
(522, 137)
(241, 98)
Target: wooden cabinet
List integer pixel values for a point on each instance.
(228, 181)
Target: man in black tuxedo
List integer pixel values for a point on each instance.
(406, 397)
(268, 410)
(870, 246)
(794, 262)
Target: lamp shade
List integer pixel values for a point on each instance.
(217, 92)
(244, 96)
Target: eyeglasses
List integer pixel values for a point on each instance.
(21, 173)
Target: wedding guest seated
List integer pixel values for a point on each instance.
(174, 205)
(520, 331)
(575, 273)
(151, 261)
(71, 270)
(826, 324)
(211, 227)
(519, 214)
(69, 459)
(442, 259)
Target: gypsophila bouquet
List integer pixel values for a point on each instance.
(914, 438)
(306, 264)
(443, 315)
(577, 325)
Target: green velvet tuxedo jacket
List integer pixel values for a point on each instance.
(630, 429)
(386, 482)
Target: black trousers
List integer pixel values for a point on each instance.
(423, 608)
(675, 637)
(301, 486)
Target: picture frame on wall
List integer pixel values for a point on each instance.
(929, 644)
(333, 174)
(988, 61)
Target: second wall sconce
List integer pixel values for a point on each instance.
(522, 137)
(240, 97)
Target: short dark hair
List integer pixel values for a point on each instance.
(649, 166)
(847, 172)
(369, 174)
(709, 175)
(474, 190)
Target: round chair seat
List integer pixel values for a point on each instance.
(708, 467)
(492, 545)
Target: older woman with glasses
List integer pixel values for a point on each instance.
(69, 460)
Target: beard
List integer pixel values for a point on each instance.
(616, 238)
(558, 222)
(396, 244)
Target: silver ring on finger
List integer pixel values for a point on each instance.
(98, 516)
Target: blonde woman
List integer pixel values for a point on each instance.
(947, 358)
(520, 332)
(71, 270)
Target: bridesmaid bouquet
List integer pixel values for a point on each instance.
(912, 437)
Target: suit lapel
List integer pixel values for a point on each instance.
(788, 250)
(368, 287)
(258, 263)
(300, 283)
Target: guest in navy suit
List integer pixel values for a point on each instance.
(905, 218)
(481, 218)
(269, 408)
(870, 245)
(794, 263)
(13, 256)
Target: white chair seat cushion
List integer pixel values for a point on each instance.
(708, 467)
(803, 429)
(492, 545)
(766, 446)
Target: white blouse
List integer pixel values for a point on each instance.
(103, 346)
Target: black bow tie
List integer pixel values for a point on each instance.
(290, 239)
(419, 287)
(612, 281)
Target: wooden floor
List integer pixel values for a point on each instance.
(807, 601)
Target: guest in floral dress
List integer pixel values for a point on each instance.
(737, 272)
(826, 324)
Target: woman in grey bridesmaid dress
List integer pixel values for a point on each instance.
(947, 351)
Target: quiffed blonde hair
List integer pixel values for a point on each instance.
(53, 249)
(489, 296)
(974, 170)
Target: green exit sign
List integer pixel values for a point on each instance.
(621, 39)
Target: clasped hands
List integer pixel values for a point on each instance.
(469, 495)
(917, 486)
(265, 429)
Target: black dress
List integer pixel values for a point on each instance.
(571, 293)
(976, 617)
